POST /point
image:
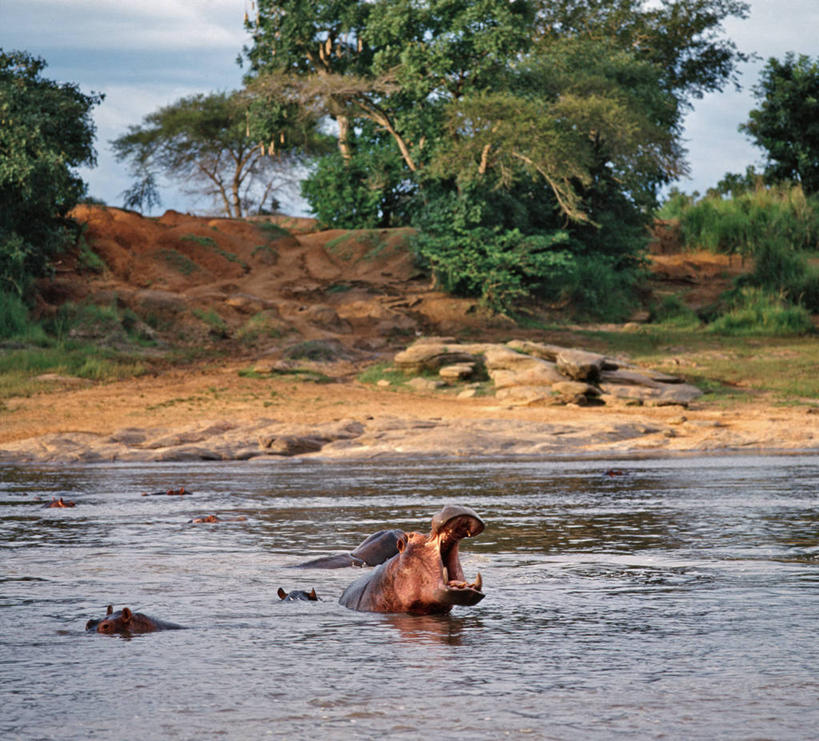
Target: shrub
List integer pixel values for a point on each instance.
(499, 267)
(756, 311)
(15, 322)
(748, 221)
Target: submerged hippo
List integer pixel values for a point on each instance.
(425, 576)
(125, 621)
(297, 595)
(372, 551)
(58, 503)
(214, 518)
(180, 492)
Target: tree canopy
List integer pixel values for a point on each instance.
(786, 122)
(219, 145)
(46, 132)
(549, 117)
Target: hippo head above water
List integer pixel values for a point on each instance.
(425, 576)
(125, 621)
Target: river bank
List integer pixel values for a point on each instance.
(216, 412)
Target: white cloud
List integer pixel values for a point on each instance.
(144, 25)
(147, 53)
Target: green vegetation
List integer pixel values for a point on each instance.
(755, 311)
(203, 241)
(383, 372)
(19, 368)
(273, 231)
(776, 227)
(786, 123)
(46, 132)
(532, 134)
(217, 325)
(211, 244)
(260, 327)
(745, 222)
(728, 367)
(177, 261)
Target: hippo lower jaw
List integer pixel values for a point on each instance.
(454, 589)
(469, 594)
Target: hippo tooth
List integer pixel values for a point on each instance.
(445, 575)
(478, 582)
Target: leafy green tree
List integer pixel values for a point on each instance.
(46, 132)
(228, 146)
(568, 112)
(786, 123)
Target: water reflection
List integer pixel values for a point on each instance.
(445, 629)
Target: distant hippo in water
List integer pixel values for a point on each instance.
(58, 503)
(297, 595)
(180, 492)
(425, 576)
(374, 550)
(214, 518)
(125, 621)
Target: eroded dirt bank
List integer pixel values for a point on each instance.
(254, 291)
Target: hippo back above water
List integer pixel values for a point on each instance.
(125, 621)
(373, 550)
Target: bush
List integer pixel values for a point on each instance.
(598, 288)
(499, 267)
(15, 323)
(368, 192)
(756, 311)
(747, 222)
(671, 311)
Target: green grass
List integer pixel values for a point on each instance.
(19, 368)
(726, 367)
(211, 244)
(177, 261)
(272, 231)
(15, 323)
(213, 320)
(757, 312)
(383, 372)
(203, 241)
(260, 327)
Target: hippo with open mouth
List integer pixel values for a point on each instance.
(425, 576)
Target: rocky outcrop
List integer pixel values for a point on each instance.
(385, 436)
(526, 372)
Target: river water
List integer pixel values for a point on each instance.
(677, 599)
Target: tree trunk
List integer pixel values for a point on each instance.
(344, 138)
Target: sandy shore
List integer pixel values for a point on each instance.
(211, 412)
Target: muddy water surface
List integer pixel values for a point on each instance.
(677, 599)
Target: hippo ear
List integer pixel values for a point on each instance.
(282, 594)
(126, 615)
(109, 610)
(400, 544)
(312, 595)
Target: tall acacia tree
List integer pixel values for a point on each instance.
(220, 145)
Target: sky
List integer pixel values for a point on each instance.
(145, 54)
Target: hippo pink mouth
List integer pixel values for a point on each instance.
(452, 525)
